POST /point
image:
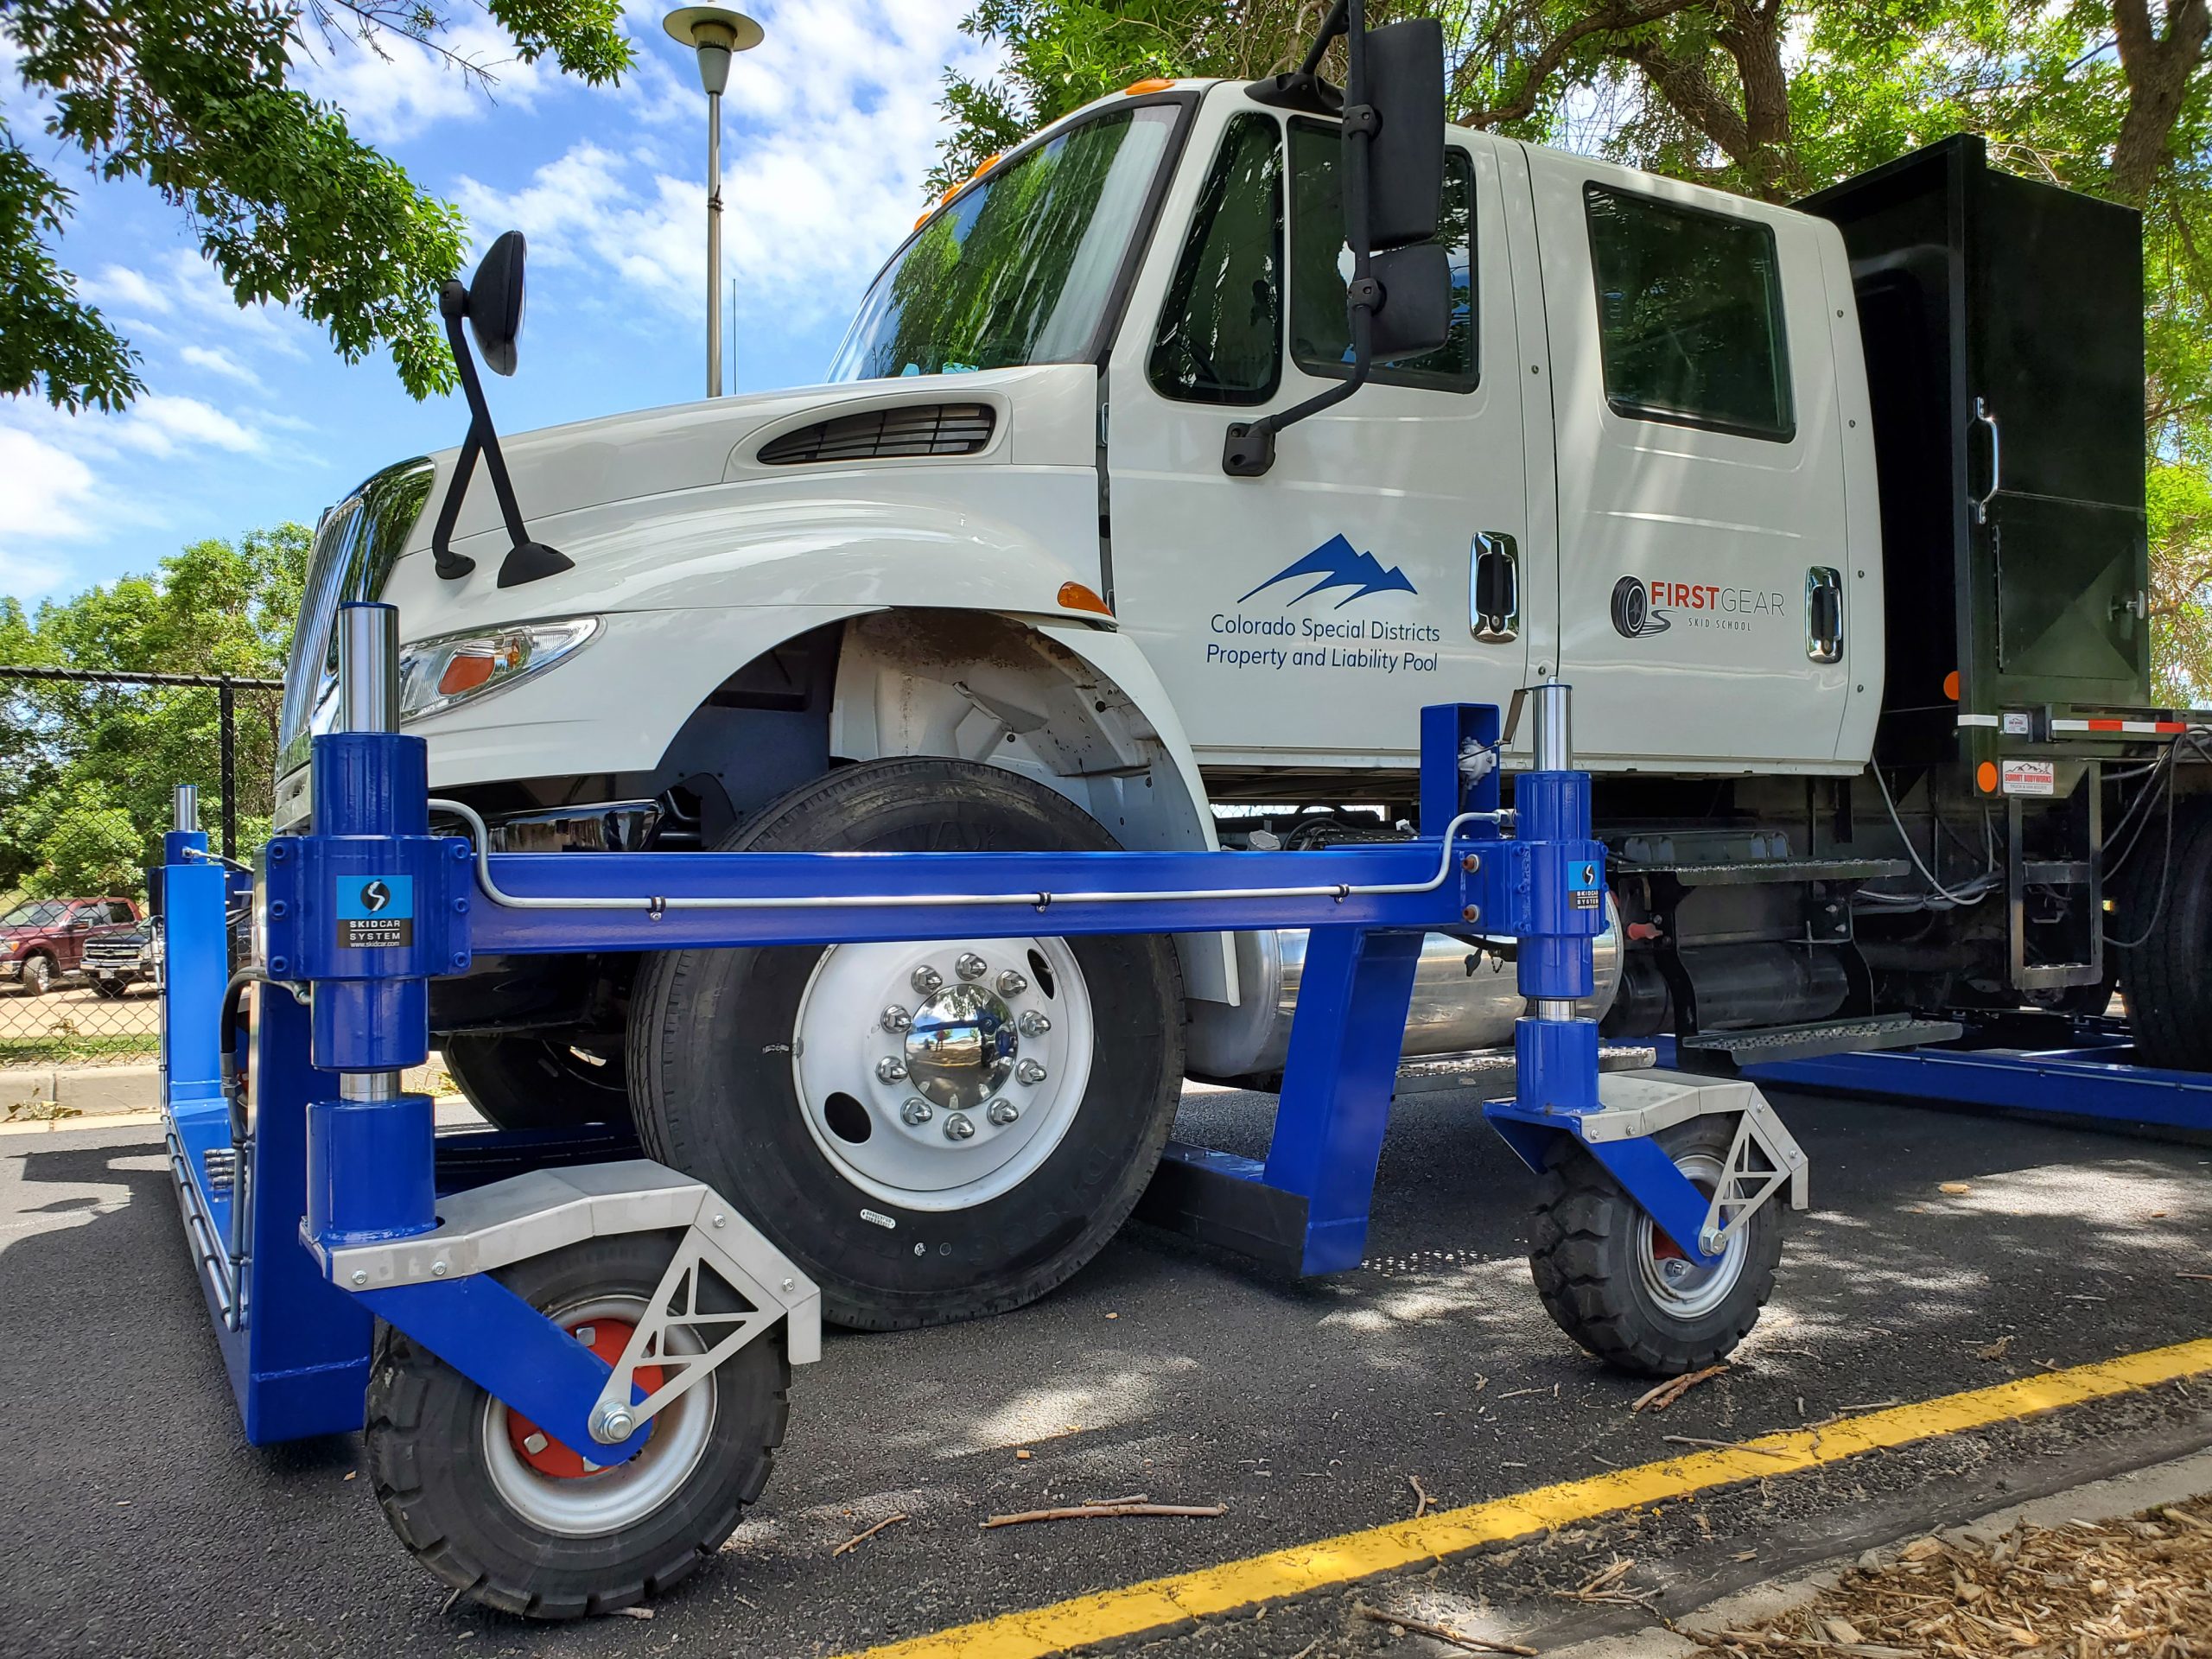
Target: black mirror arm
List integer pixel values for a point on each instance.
(1248, 449)
(526, 560)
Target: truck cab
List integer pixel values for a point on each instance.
(999, 584)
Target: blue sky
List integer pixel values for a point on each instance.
(249, 418)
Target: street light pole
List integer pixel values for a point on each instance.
(714, 32)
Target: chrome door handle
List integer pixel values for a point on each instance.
(1980, 503)
(1494, 588)
(1824, 614)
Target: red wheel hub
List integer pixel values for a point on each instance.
(606, 1338)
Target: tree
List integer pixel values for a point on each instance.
(216, 608)
(1773, 99)
(196, 97)
(84, 846)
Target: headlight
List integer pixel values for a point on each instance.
(435, 674)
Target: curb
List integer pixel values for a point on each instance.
(86, 1091)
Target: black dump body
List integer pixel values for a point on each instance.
(2003, 322)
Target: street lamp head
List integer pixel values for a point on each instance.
(713, 32)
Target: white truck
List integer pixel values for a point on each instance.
(1833, 518)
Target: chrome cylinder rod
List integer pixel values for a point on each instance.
(184, 808)
(1555, 729)
(368, 668)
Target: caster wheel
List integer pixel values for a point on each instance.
(1617, 1284)
(519, 1522)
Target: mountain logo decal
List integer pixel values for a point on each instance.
(1335, 564)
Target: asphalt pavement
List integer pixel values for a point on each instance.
(138, 1523)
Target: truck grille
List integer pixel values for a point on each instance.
(886, 433)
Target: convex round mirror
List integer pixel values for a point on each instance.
(495, 303)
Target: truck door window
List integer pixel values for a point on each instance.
(1220, 334)
(1018, 268)
(1689, 315)
(1320, 336)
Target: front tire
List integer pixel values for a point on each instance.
(38, 976)
(537, 1083)
(1618, 1286)
(962, 1162)
(2168, 977)
(519, 1523)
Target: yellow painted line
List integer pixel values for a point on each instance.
(1109, 1614)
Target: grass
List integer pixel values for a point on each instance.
(62, 1048)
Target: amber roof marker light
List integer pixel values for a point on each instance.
(715, 32)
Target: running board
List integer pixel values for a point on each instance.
(1727, 1051)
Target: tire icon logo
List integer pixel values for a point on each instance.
(375, 896)
(1632, 612)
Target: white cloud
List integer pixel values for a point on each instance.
(829, 128)
(216, 360)
(161, 424)
(120, 285)
(41, 487)
(184, 290)
(393, 88)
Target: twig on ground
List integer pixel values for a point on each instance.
(859, 1538)
(1425, 1502)
(1721, 1445)
(1103, 1511)
(1441, 1632)
(1674, 1389)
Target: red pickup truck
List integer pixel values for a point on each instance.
(43, 940)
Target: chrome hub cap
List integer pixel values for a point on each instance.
(938, 1076)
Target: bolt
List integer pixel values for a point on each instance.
(959, 1127)
(1471, 913)
(896, 1018)
(921, 1249)
(1029, 1071)
(359, 1277)
(1708, 1241)
(722, 1221)
(790, 1284)
(1034, 1024)
(970, 966)
(1003, 1112)
(437, 1269)
(1011, 983)
(278, 907)
(917, 1112)
(460, 906)
(925, 979)
(1472, 863)
(534, 1443)
(590, 1468)
(890, 1069)
(612, 1425)
(587, 1334)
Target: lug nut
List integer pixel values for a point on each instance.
(959, 1127)
(1029, 1071)
(917, 1112)
(896, 1018)
(891, 1069)
(1011, 983)
(1034, 1024)
(1003, 1112)
(925, 979)
(970, 966)
(534, 1443)
(612, 1425)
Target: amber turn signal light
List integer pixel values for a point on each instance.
(1074, 596)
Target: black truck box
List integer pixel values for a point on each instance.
(2003, 323)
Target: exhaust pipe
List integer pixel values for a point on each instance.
(1465, 998)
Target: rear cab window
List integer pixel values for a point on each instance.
(1689, 315)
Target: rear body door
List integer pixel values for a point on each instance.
(1302, 619)
(1700, 474)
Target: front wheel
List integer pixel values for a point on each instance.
(1617, 1284)
(38, 976)
(933, 1130)
(517, 1522)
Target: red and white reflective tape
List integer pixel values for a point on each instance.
(2125, 728)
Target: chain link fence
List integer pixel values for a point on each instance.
(81, 956)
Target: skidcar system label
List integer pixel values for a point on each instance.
(377, 914)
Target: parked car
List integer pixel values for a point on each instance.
(116, 958)
(44, 939)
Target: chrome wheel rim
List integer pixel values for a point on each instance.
(623, 1494)
(1677, 1285)
(939, 1075)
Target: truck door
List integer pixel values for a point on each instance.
(1303, 618)
(1704, 584)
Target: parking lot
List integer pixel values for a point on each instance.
(141, 1525)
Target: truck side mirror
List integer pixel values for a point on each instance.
(1399, 299)
(495, 303)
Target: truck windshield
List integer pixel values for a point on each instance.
(34, 915)
(1017, 268)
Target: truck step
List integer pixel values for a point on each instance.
(1756, 871)
(1495, 1071)
(1776, 1043)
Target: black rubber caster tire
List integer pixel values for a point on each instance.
(2168, 977)
(1583, 1256)
(711, 1061)
(428, 1455)
(536, 1082)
